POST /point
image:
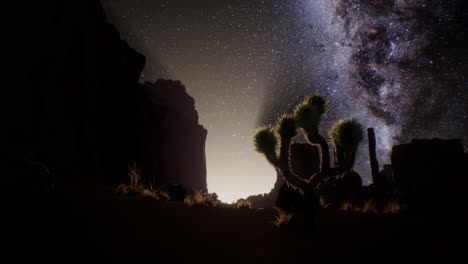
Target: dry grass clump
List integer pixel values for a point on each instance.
(146, 193)
(163, 195)
(347, 206)
(156, 194)
(188, 201)
(392, 207)
(282, 218)
(243, 203)
(370, 206)
(202, 199)
(323, 202)
(134, 187)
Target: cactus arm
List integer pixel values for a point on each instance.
(294, 181)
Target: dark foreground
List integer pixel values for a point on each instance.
(84, 226)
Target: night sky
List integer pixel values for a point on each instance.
(398, 66)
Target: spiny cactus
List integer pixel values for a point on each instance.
(275, 141)
(266, 142)
(345, 136)
(308, 113)
(285, 126)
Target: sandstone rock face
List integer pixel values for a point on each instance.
(430, 170)
(171, 139)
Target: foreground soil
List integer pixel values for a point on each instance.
(90, 224)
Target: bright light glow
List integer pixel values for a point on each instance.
(237, 171)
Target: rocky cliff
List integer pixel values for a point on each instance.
(68, 94)
(431, 171)
(172, 140)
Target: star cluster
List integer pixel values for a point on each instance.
(394, 65)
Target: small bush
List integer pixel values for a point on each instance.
(282, 218)
(243, 203)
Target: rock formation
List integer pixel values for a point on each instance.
(68, 97)
(431, 171)
(172, 141)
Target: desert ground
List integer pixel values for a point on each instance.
(89, 224)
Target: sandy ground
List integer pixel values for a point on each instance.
(87, 225)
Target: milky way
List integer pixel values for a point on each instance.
(397, 66)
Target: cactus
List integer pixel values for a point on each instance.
(275, 142)
(345, 136)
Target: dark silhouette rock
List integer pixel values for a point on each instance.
(347, 188)
(25, 175)
(350, 187)
(68, 97)
(373, 156)
(172, 142)
(260, 200)
(387, 174)
(431, 171)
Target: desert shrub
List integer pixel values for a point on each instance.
(243, 203)
(134, 187)
(197, 198)
(370, 206)
(392, 207)
(211, 199)
(162, 195)
(282, 218)
(146, 193)
(188, 201)
(347, 206)
(135, 176)
(323, 202)
(123, 189)
(202, 199)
